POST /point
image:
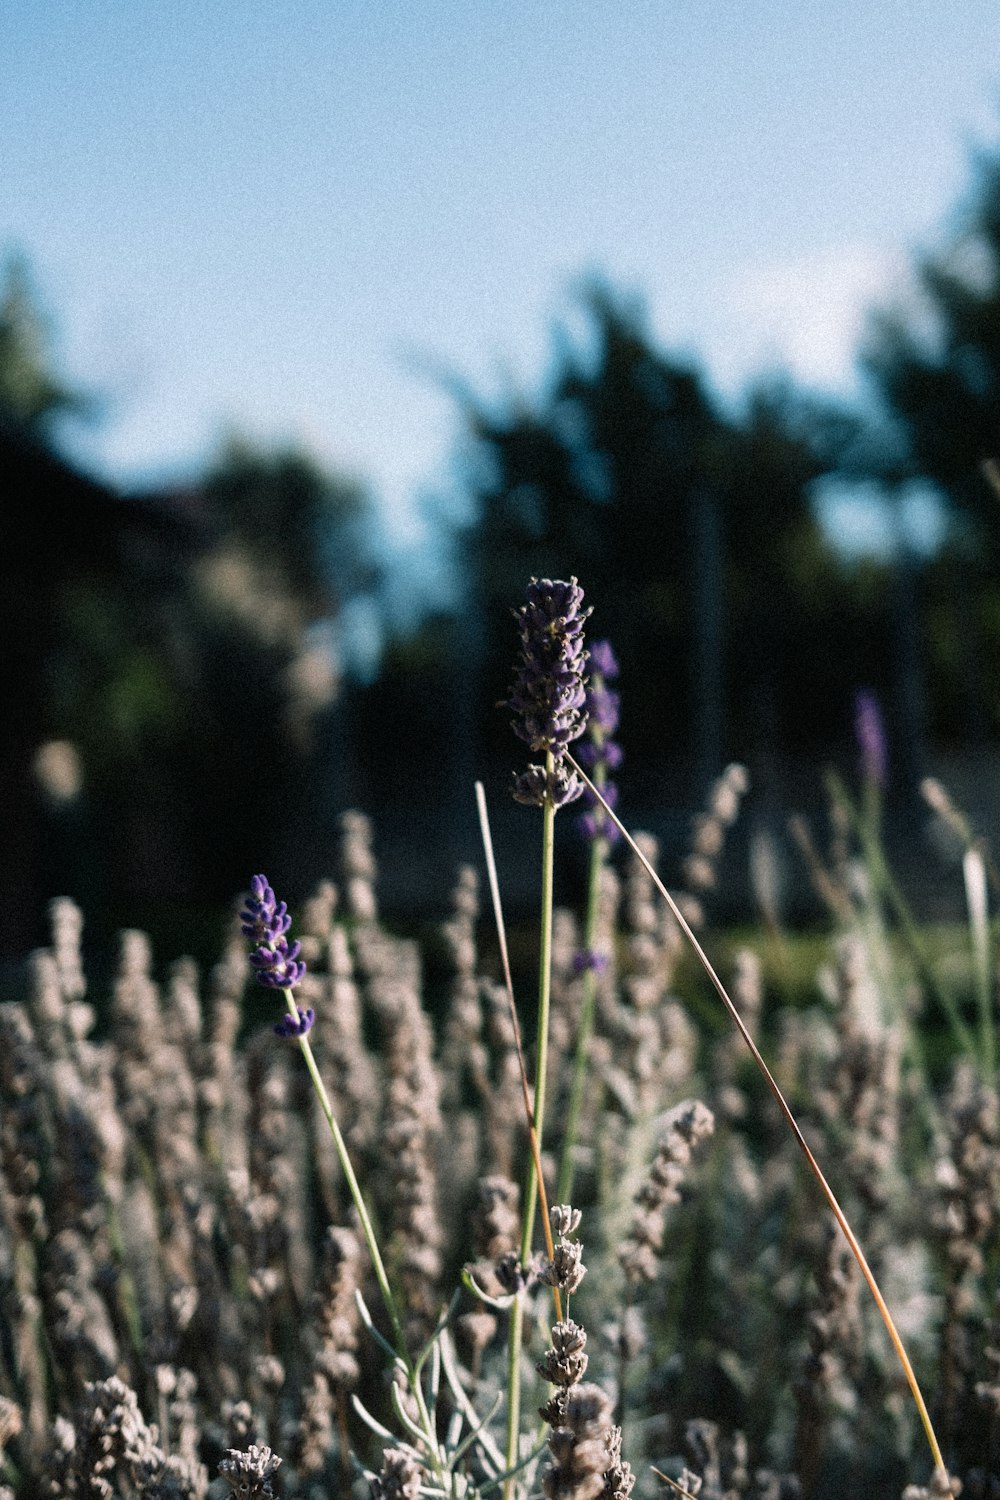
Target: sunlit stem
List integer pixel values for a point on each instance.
(538, 1119)
(369, 1234)
(536, 1156)
(790, 1120)
(542, 1038)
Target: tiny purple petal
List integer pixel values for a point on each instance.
(589, 959)
(869, 729)
(287, 1027)
(602, 659)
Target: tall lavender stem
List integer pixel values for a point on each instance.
(549, 703)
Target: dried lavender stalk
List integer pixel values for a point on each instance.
(827, 1381)
(711, 828)
(683, 1127)
(410, 1128)
(584, 1446)
(967, 1181)
(335, 1369)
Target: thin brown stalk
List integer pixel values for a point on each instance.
(677, 1488)
(792, 1123)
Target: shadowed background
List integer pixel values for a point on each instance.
(320, 334)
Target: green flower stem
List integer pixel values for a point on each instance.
(542, 1038)
(369, 1234)
(564, 1186)
(515, 1333)
(352, 1183)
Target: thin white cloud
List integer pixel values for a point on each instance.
(805, 315)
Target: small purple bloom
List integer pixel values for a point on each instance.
(603, 660)
(278, 966)
(588, 958)
(288, 1027)
(869, 730)
(600, 754)
(547, 696)
(535, 786)
(264, 920)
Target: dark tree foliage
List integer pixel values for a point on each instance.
(694, 535)
(309, 529)
(170, 661)
(32, 397)
(935, 362)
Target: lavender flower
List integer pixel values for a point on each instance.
(869, 731)
(599, 754)
(288, 1027)
(265, 920)
(548, 697)
(589, 958)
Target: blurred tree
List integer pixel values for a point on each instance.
(174, 659)
(693, 533)
(308, 531)
(199, 686)
(935, 361)
(286, 547)
(32, 396)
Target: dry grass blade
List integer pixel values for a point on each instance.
(790, 1120)
(677, 1488)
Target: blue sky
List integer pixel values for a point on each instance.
(279, 216)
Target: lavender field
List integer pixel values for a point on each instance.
(180, 1258)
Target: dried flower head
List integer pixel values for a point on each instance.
(399, 1478)
(565, 1364)
(599, 754)
(547, 697)
(566, 1269)
(580, 1419)
(249, 1474)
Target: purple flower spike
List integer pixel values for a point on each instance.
(600, 754)
(548, 696)
(287, 1027)
(278, 966)
(869, 729)
(265, 920)
(603, 660)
